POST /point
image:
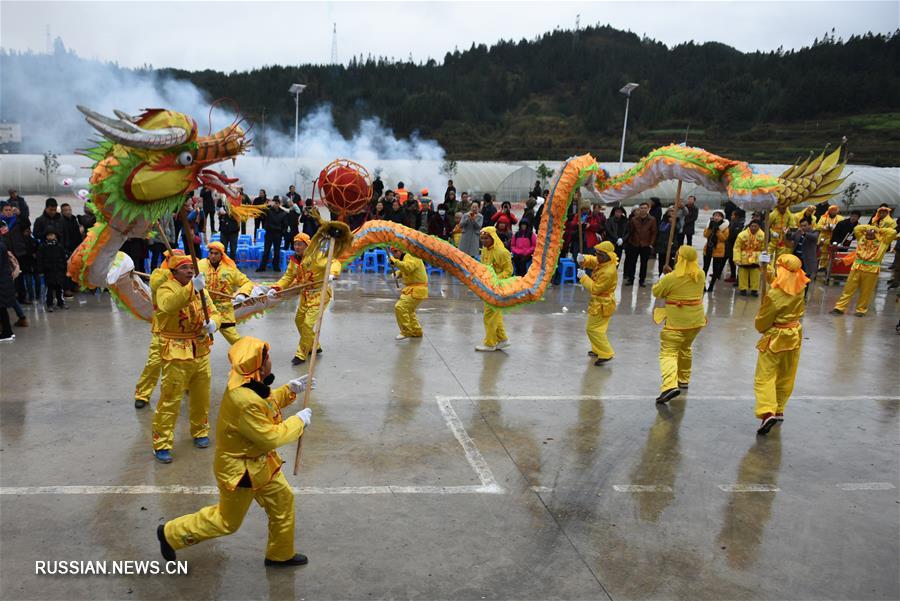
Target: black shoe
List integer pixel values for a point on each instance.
(139, 403)
(319, 352)
(629, 282)
(63, 306)
(683, 385)
(297, 560)
(668, 395)
(754, 293)
(592, 354)
(49, 308)
(260, 269)
(836, 312)
(601, 361)
(743, 293)
(165, 548)
(767, 424)
(642, 284)
(297, 361)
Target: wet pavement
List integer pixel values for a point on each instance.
(434, 472)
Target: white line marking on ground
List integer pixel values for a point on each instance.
(540, 489)
(212, 490)
(473, 455)
(641, 488)
(865, 486)
(652, 396)
(749, 488)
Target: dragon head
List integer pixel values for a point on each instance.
(146, 164)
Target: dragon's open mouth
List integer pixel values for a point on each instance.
(220, 183)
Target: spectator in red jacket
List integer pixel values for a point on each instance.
(522, 247)
(596, 226)
(504, 215)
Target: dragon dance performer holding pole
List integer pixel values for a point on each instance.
(871, 246)
(494, 255)
(682, 289)
(186, 325)
(225, 282)
(778, 320)
(602, 285)
(415, 290)
(307, 269)
(150, 375)
(251, 426)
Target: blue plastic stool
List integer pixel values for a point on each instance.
(381, 260)
(285, 257)
(567, 271)
(370, 262)
(432, 269)
(245, 239)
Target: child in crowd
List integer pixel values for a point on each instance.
(51, 263)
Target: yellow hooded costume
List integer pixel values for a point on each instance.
(684, 316)
(247, 466)
(866, 267)
(778, 320)
(779, 224)
(602, 285)
(826, 226)
(308, 271)
(224, 281)
(500, 260)
(415, 290)
(184, 351)
(150, 375)
(747, 248)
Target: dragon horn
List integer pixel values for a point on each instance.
(125, 116)
(129, 134)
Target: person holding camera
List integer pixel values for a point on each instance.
(716, 234)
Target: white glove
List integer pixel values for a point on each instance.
(332, 277)
(619, 242)
(272, 293)
(306, 416)
(764, 258)
(579, 258)
(199, 281)
(239, 298)
(580, 274)
(258, 291)
(773, 234)
(210, 327)
(568, 255)
(221, 211)
(298, 385)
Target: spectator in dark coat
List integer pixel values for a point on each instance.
(656, 208)
(274, 221)
(51, 262)
(15, 242)
(662, 241)
(50, 220)
(209, 208)
(438, 223)
(88, 219)
(229, 228)
(842, 235)
(377, 187)
(293, 211)
(640, 243)
(735, 228)
(7, 289)
(488, 209)
(73, 233)
(245, 200)
(617, 230)
(806, 243)
(691, 212)
(310, 224)
(18, 203)
(259, 201)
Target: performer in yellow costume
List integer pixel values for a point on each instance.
(780, 221)
(826, 226)
(185, 341)
(602, 286)
(226, 283)
(883, 218)
(871, 244)
(150, 376)
(778, 320)
(682, 289)
(307, 271)
(247, 466)
(415, 290)
(747, 248)
(494, 254)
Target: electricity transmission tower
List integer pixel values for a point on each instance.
(334, 55)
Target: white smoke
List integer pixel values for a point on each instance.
(40, 91)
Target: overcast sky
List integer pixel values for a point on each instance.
(243, 35)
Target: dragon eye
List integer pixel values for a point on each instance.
(185, 158)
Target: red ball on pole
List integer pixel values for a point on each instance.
(346, 188)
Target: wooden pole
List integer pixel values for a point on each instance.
(315, 345)
(672, 226)
(764, 280)
(189, 242)
(165, 239)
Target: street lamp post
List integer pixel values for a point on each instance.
(295, 89)
(627, 90)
